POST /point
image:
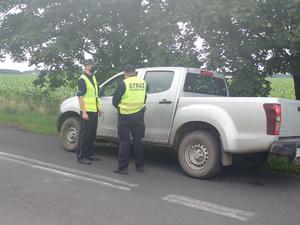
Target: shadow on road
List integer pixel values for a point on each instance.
(162, 158)
(166, 160)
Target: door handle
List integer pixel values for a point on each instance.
(165, 101)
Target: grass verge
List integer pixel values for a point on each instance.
(282, 164)
(31, 121)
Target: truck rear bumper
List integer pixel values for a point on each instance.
(289, 148)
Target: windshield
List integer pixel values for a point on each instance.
(196, 83)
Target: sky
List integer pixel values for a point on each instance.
(8, 64)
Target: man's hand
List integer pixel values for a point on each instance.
(85, 116)
(100, 113)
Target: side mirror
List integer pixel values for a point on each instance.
(101, 91)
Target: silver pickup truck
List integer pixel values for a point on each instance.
(189, 110)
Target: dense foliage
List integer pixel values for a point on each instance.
(247, 39)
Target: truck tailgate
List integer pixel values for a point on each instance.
(290, 119)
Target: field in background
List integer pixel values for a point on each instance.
(282, 87)
(17, 91)
(25, 106)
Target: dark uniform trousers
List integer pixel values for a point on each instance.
(131, 124)
(87, 135)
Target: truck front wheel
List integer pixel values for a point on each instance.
(199, 155)
(69, 133)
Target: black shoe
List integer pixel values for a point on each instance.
(84, 161)
(121, 171)
(94, 158)
(139, 169)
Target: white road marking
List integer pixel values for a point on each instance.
(78, 172)
(210, 207)
(68, 172)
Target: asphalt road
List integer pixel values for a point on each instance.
(40, 183)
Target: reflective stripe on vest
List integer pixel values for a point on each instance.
(133, 99)
(91, 99)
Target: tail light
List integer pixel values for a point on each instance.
(273, 114)
(207, 73)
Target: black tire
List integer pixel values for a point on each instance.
(253, 161)
(199, 155)
(69, 133)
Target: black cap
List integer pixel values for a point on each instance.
(129, 68)
(89, 62)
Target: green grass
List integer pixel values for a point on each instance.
(282, 87)
(31, 121)
(28, 107)
(283, 165)
(20, 89)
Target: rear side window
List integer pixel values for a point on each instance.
(159, 81)
(196, 83)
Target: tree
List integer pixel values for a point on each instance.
(57, 34)
(249, 39)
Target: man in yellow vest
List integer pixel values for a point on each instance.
(129, 99)
(88, 97)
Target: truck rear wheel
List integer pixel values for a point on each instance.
(254, 160)
(69, 133)
(199, 155)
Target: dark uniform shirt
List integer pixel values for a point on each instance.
(82, 86)
(120, 92)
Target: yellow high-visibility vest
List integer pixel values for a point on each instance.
(133, 99)
(91, 98)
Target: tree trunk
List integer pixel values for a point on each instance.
(297, 85)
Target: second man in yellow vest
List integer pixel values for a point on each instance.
(129, 99)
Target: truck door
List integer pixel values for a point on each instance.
(160, 104)
(108, 123)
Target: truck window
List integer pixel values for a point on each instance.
(110, 88)
(197, 83)
(159, 81)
